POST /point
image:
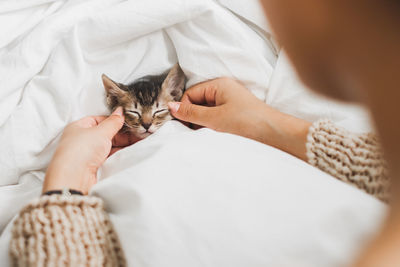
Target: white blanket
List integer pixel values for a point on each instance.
(52, 54)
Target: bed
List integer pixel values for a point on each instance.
(180, 197)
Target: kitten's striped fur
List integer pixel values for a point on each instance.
(145, 100)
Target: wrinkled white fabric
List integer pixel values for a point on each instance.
(193, 198)
(52, 55)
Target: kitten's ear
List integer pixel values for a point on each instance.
(113, 90)
(174, 84)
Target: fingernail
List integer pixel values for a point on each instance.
(174, 106)
(118, 111)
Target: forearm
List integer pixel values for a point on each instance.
(65, 231)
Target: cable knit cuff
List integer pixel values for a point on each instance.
(65, 231)
(353, 158)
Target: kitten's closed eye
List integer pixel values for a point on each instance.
(160, 113)
(134, 113)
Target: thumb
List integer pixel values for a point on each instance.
(112, 124)
(188, 112)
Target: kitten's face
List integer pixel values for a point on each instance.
(145, 100)
(145, 120)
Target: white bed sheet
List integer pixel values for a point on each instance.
(52, 54)
(193, 198)
(50, 73)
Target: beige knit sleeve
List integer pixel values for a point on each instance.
(353, 158)
(61, 230)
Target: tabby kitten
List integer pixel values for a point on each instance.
(145, 100)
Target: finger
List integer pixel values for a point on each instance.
(112, 124)
(192, 113)
(202, 93)
(124, 139)
(99, 119)
(88, 122)
(185, 99)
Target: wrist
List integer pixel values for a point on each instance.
(64, 192)
(68, 174)
(285, 132)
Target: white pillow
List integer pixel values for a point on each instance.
(193, 198)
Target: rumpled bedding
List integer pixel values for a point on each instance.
(52, 55)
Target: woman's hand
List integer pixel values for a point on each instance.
(225, 105)
(84, 146)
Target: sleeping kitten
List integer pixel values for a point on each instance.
(145, 100)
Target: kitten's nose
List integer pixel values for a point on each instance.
(146, 125)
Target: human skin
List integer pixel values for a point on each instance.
(84, 146)
(225, 105)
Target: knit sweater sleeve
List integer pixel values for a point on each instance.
(352, 158)
(65, 231)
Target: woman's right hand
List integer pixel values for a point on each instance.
(225, 105)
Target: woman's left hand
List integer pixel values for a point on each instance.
(84, 146)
